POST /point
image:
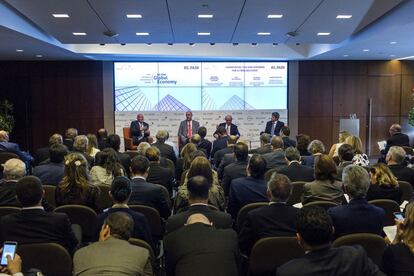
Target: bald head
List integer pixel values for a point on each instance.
(4, 136)
(14, 169)
(198, 218)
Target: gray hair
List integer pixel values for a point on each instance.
(265, 138)
(397, 154)
(81, 143)
(277, 142)
(162, 136)
(292, 153)
(14, 169)
(142, 148)
(356, 181)
(316, 146)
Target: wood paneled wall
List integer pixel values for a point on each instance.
(330, 90)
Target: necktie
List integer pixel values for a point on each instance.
(189, 130)
(228, 130)
(272, 131)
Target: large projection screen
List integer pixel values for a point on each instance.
(163, 91)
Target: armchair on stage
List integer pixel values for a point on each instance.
(128, 139)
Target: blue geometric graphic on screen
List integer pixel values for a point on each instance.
(130, 99)
(169, 103)
(235, 103)
(208, 103)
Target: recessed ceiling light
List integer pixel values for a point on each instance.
(205, 16)
(191, 44)
(275, 16)
(203, 33)
(79, 33)
(346, 55)
(134, 16)
(343, 16)
(392, 55)
(60, 15)
(366, 50)
(263, 33)
(393, 42)
(170, 44)
(324, 34)
(19, 50)
(142, 33)
(39, 56)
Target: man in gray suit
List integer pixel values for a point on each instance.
(122, 259)
(187, 128)
(275, 158)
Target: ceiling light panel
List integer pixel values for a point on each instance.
(60, 15)
(205, 16)
(134, 15)
(343, 16)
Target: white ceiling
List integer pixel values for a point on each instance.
(29, 25)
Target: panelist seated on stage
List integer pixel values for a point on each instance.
(231, 128)
(139, 130)
(187, 128)
(274, 126)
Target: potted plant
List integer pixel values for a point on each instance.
(6, 116)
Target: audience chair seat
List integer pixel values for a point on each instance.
(241, 216)
(153, 216)
(389, 206)
(105, 200)
(7, 210)
(406, 190)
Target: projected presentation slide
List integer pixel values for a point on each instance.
(181, 86)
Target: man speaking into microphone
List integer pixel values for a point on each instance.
(231, 128)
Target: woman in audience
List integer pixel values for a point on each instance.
(184, 162)
(384, 184)
(201, 166)
(92, 148)
(142, 148)
(107, 167)
(325, 187)
(75, 187)
(303, 143)
(398, 258)
(360, 158)
(316, 148)
(333, 152)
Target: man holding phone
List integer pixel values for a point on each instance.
(11, 263)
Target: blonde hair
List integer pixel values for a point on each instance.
(407, 236)
(383, 175)
(355, 142)
(343, 135)
(185, 154)
(92, 143)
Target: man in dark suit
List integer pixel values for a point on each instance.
(221, 141)
(295, 171)
(231, 129)
(146, 193)
(114, 141)
(70, 135)
(315, 231)
(200, 249)
(397, 139)
(102, 138)
(33, 224)
(187, 128)
(198, 188)
(6, 146)
(274, 126)
(42, 154)
(249, 189)
(237, 169)
(358, 216)
(275, 158)
(51, 173)
(275, 220)
(139, 130)
(166, 151)
(396, 162)
(204, 143)
(158, 174)
(345, 154)
(265, 146)
(218, 155)
(287, 142)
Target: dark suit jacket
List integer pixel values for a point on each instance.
(397, 260)
(219, 219)
(233, 171)
(261, 150)
(50, 173)
(37, 226)
(309, 161)
(14, 148)
(278, 127)
(149, 194)
(201, 250)
(41, 155)
(162, 176)
(219, 155)
(166, 151)
(403, 173)
(384, 192)
(245, 190)
(341, 261)
(398, 139)
(219, 144)
(102, 143)
(135, 131)
(357, 217)
(233, 129)
(287, 142)
(275, 220)
(205, 144)
(275, 158)
(228, 158)
(68, 143)
(297, 172)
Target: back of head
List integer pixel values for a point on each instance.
(355, 142)
(102, 133)
(232, 140)
(346, 152)
(201, 166)
(265, 138)
(14, 169)
(71, 133)
(162, 136)
(197, 153)
(241, 151)
(285, 130)
(76, 173)
(195, 139)
(257, 166)
(92, 140)
(139, 165)
(114, 141)
(292, 154)
(121, 225)
(314, 226)
(202, 131)
(80, 143)
(325, 168)
(395, 128)
(57, 153)
(108, 159)
(277, 142)
(153, 154)
(142, 148)
(121, 189)
(4, 136)
(303, 142)
(55, 139)
(280, 187)
(316, 146)
(198, 187)
(383, 176)
(356, 181)
(221, 130)
(343, 135)
(397, 154)
(29, 191)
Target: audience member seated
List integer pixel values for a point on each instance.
(276, 158)
(102, 138)
(316, 148)
(107, 167)
(114, 142)
(75, 187)
(196, 139)
(70, 135)
(33, 224)
(265, 146)
(146, 193)
(204, 143)
(6, 146)
(80, 145)
(384, 185)
(295, 171)
(92, 148)
(315, 231)
(200, 166)
(325, 187)
(166, 151)
(113, 254)
(42, 154)
(360, 158)
(120, 194)
(221, 141)
(51, 173)
(236, 169)
(198, 192)
(303, 143)
(173, 145)
(184, 162)
(13, 267)
(396, 162)
(219, 155)
(158, 174)
(334, 151)
(287, 142)
(358, 216)
(398, 258)
(345, 155)
(200, 249)
(249, 189)
(397, 139)
(277, 219)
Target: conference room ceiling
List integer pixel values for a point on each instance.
(244, 23)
